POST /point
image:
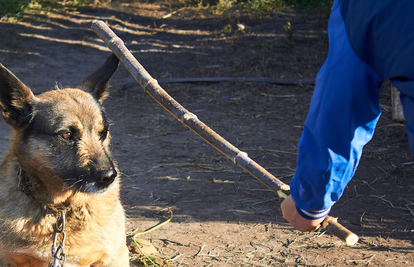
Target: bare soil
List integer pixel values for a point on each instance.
(222, 215)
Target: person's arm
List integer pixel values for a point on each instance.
(342, 117)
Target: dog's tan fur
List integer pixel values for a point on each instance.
(62, 175)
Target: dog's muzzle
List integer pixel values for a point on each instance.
(105, 177)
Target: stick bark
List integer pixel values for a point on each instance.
(190, 120)
(331, 225)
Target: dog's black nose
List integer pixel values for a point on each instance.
(105, 177)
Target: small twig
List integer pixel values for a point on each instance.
(218, 181)
(386, 173)
(133, 187)
(394, 259)
(356, 196)
(239, 79)
(410, 210)
(209, 255)
(154, 227)
(253, 251)
(251, 189)
(365, 182)
(270, 150)
(301, 246)
(201, 249)
(176, 257)
(369, 261)
(277, 95)
(382, 198)
(261, 202)
(362, 216)
(254, 209)
(171, 241)
(318, 234)
(291, 243)
(392, 125)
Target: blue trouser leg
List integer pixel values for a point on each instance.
(408, 107)
(342, 117)
(406, 89)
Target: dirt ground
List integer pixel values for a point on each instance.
(222, 215)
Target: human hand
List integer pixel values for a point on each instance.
(293, 217)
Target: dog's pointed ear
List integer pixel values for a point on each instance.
(16, 99)
(97, 82)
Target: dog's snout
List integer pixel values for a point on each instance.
(105, 177)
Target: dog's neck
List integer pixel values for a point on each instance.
(26, 187)
(24, 183)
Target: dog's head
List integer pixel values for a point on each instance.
(61, 137)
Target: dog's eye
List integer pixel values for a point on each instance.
(66, 136)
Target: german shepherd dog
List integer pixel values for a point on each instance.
(59, 163)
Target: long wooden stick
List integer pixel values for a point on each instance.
(190, 120)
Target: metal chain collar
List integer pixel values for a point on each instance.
(58, 253)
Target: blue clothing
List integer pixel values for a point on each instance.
(369, 41)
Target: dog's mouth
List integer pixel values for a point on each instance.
(96, 183)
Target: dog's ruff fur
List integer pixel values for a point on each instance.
(59, 159)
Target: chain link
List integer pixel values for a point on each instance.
(58, 253)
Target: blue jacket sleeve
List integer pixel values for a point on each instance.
(343, 114)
